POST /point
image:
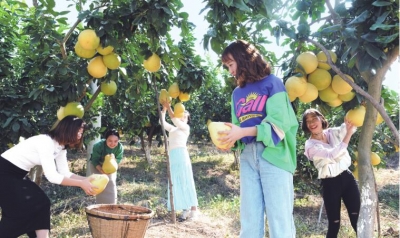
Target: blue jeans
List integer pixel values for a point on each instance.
(264, 188)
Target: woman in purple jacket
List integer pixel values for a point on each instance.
(327, 148)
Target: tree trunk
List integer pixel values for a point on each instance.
(369, 197)
(147, 154)
(96, 124)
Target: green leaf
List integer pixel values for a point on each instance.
(184, 15)
(331, 29)
(360, 18)
(366, 62)
(352, 61)
(382, 17)
(63, 71)
(387, 39)
(349, 32)
(353, 43)
(381, 3)
(303, 29)
(345, 54)
(383, 27)
(167, 10)
(228, 3)
(241, 5)
(7, 122)
(374, 51)
(277, 34)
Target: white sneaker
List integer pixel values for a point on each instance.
(194, 214)
(185, 214)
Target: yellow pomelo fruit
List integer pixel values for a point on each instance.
(153, 63)
(173, 90)
(340, 86)
(110, 165)
(179, 115)
(105, 50)
(296, 86)
(335, 102)
(74, 109)
(375, 159)
(97, 68)
(347, 97)
(327, 94)
(83, 53)
(291, 97)
(100, 181)
(310, 95)
(164, 96)
(356, 116)
(88, 39)
(323, 60)
(179, 110)
(355, 172)
(321, 79)
(213, 129)
(308, 61)
(112, 60)
(109, 88)
(184, 96)
(60, 113)
(379, 119)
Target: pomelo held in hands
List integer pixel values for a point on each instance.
(215, 127)
(164, 96)
(100, 181)
(110, 165)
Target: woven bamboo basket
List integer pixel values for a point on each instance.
(118, 220)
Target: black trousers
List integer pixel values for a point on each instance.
(25, 207)
(343, 186)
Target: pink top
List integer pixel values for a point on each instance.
(329, 159)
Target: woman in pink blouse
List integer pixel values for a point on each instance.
(327, 148)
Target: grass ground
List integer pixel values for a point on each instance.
(217, 185)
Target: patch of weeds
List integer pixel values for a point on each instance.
(220, 205)
(389, 195)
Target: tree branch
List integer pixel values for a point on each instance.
(89, 104)
(335, 16)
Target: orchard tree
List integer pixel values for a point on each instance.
(364, 36)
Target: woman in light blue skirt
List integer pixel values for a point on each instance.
(183, 188)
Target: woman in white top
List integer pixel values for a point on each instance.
(25, 207)
(184, 191)
(327, 148)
